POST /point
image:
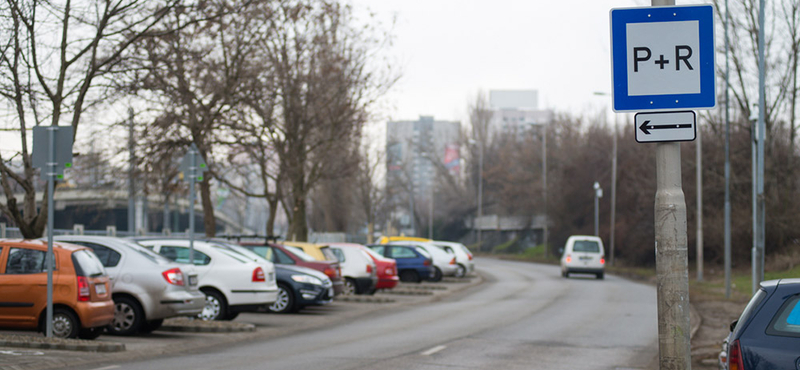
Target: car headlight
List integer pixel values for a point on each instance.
(306, 279)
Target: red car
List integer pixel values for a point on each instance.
(387, 270)
(286, 255)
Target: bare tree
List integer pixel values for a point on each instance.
(52, 61)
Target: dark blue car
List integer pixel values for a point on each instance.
(413, 264)
(299, 287)
(767, 335)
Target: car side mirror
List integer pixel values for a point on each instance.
(733, 324)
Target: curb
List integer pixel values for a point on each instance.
(25, 341)
(198, 326)
(364, 299)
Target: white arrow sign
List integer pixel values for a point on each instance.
(665, 126)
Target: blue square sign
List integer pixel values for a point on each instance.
(662, 58)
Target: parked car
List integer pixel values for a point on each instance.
(286, 255)
(444, 263)
(320, 252)
(358, 268)
(463, 256)
(583, 254)
(389, 239)
(231, 282)
(146, 287)
(414, 264)
(299, 287)
(387, 270)
(82, 305)
(767, 334)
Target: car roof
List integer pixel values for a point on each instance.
(40, 244)
(387, 239)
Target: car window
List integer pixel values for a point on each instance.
(145, 251)
(424, 253)
(181, 254)
(239, 250)
(299, 253)
(379, 249)
(281, 257)
(748, 310)
(787, 320)
(107, 256)
(448, 249)
(588, 246)
(87, 264)
(339, 254)
(373, 253)
(25, 261)
(329, 255)
(402, 252)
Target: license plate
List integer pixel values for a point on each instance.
(192, 280)
(100, 289)
(586, 258)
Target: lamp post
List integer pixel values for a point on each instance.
(544, 183)
(598, 193)
(476, 224)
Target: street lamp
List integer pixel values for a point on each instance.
(544, 182)
(598, 193)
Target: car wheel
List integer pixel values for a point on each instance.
(65, 324)
(349, 287)
(285, 302)
(600, 275)
(409, 276)
(128, 316)
(151, 326)
(461, 271)
(437, 274)
(90, 333)
(215, 307)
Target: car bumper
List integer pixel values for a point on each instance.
(584, 269)
(314, 295)
(95, 314)
(178, 304)
(257, 297)
(387, 282)
(365, 284)
(338, 287)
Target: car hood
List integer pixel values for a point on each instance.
(300, 269)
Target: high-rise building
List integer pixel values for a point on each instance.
(414, 149)
(516, 111)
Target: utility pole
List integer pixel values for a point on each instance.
(699, 236)
(131, 174)
(672, 268)
(544, 195)
(758, 253)
(727, 163)
(478, 224)
(430, 211)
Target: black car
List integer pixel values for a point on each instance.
(767, 334)
(299, 287)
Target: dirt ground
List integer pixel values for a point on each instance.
(717, 316)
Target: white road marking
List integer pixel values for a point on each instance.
(433, 350)
(108, 367)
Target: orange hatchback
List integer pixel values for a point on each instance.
(82, 304)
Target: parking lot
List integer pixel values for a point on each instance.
(179, 335)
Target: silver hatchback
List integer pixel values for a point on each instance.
(146, 287)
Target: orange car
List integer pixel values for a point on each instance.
(82, 304)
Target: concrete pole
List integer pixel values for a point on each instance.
(699, 167)
(544, 195)
(430, 212)
(672, 270)
(761, 132)
(480, 192)
(192, 195)
(598, 193)
(613, 192)
(50, 256)
(754, 174)
(727, 163)
(131, 173)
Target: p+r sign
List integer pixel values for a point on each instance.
(662, 58)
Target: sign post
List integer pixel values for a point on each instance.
(193, 166)
(52, 152)
(663, 60)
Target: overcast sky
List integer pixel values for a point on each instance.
(450, 49)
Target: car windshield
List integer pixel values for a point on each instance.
(339, 254)
(147, 253)
(373, 253)
(586, 246)
(240, 250)
(87, 264)
(299, 253)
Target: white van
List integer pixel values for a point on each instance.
(583, 254)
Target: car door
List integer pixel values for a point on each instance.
(23, 281)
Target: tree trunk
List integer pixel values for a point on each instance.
(273, 212)
(209, 222)
(298, 229)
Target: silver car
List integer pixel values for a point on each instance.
(146, 287)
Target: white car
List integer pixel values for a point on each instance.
(583, 254)
(463, 256)
(358, 268)
(231, 282)
(444, 262)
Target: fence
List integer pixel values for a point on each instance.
(14, 232)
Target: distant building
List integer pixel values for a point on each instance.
(414, 149)
(516, 111)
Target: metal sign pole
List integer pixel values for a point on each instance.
(672, 268)
(192, 179)
(51, 173)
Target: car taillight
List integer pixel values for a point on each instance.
(389, 271)
(173, 276)
(453, 261)
(258, 275)
(427, 263)
(330, 272)
(369, 269)
(83, 289)
(470, 257)
(602, 261)
(569, 259)
(735, 361)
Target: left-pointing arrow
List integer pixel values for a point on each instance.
(646, 127)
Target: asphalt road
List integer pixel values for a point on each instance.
(525, 316)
